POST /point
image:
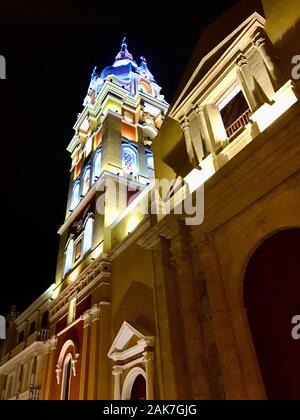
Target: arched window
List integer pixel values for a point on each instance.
(88, 236)
(69, 256)
(97, 164)
(134, 387)
(86, 182)
(88, 146)
(66, 368)
(270, 306)
(129, 158)
(150, 165)
(67, 375)
(75, 195)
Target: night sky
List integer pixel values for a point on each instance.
(50, 50)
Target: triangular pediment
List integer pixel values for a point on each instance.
(211, 59)
(130, 341)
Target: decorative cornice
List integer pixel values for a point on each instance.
(237, 39)
(52, 343)
(241, 60)
(117, 370)
(86, 318)
(259, 37)
(148, 356)
(41, 302)
(96, 272)
(37, 347)
(120, 351)
(166, 228)
(185, 123)
(95, 312)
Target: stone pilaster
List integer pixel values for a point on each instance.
(104, 372)
(148, 362)
(117, 372)
(253, 92)
(191, 152)
(171, 367)
(262, 44)
(195, 350)
(170, 361)
(93, 353)
(87, 319)
(52, 343)
(232, 370)
(208, 145)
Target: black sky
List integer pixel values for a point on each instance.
(50, 50)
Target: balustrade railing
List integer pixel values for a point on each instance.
(242, 121)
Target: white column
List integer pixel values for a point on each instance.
(117, 372)
(185, 125)
(208, 145)
(260, 41)
(148, 361)
(253, 93)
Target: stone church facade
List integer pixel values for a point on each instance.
(149, 303)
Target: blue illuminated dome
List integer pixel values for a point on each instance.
(123, 65)
(121, 72)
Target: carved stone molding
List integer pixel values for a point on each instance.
(117, 370)
(95, 312)
(148, 356)
(52, 343)
(262, 43)
(259, 38)
(241, 60)
(185, 124)
(98, 271)
(86, 318)
(58, 372)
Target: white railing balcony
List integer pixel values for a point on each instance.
(38, 335)
(34, 393)
(242, 121)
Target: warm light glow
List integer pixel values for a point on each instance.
(111, 215)
(88, 146)
(229, 97)
(128, 117)
(267, 114)
(111, 105)
(85, 125)
(140, 202)
(97, 251)
(113, 169)
(128, 131)
(56, 292)
(194, 179)
(132, 223)
(88, 236)
(72, 311)
(97, 138)
(74, 274)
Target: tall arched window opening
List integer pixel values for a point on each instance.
(67, 375)
(88, 236)
(97, 164)
(75, 195)
(129, 160)
(86, 182)
(69, 256)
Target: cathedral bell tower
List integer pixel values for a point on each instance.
(123, 111)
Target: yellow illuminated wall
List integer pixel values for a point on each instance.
(282, 17)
